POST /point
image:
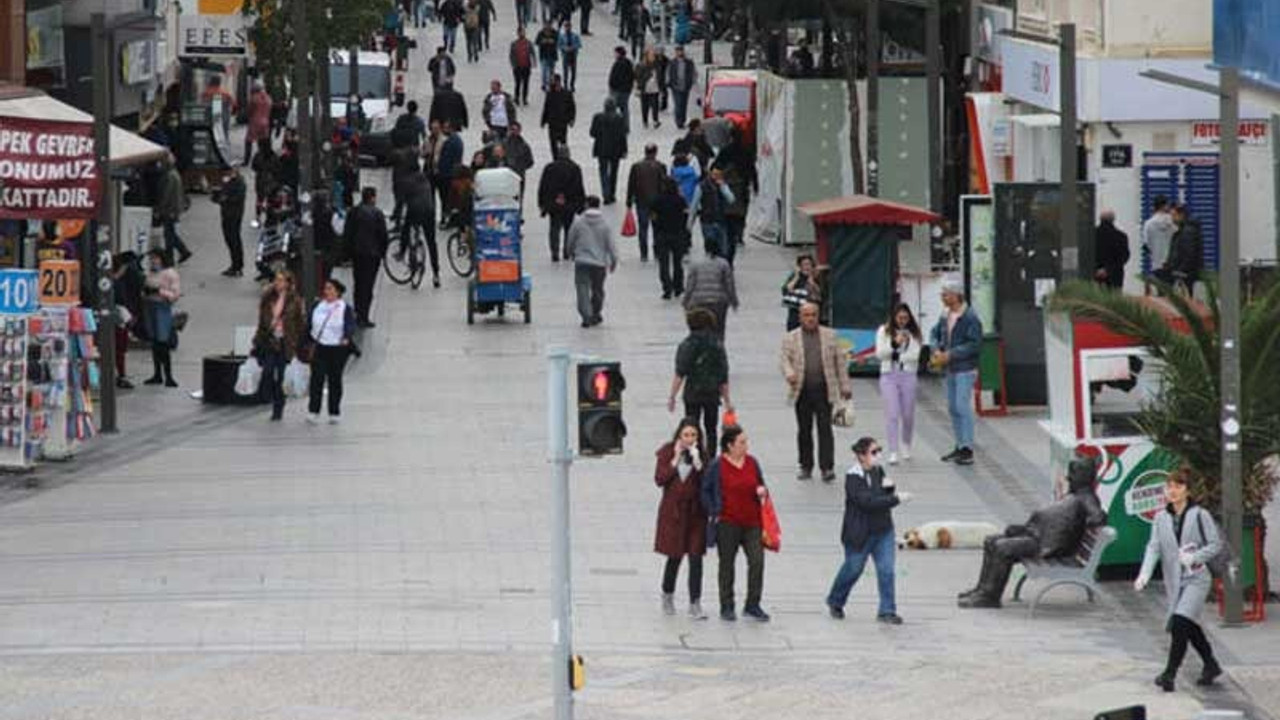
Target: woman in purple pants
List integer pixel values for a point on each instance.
(898, 346)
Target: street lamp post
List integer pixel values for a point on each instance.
(306, 138)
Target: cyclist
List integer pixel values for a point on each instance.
(421, 214)
(462, 202)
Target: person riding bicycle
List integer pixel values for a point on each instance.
(420, 213)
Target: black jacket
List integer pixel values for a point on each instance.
(561, 179)
(559, 109)
(448, 105)
(548, 43)
(609, 131)
(644, 182)
(689, 78)
(1186, 251)
(868, 506)
(231, 198)
(1111, 252)
(670, 215)
(420, 201)
(404, 164)
(366, 232)
(622, 76)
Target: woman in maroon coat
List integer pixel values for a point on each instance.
(682, 523)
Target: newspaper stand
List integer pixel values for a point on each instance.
(500, 278)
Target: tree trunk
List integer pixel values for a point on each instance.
(849, 60)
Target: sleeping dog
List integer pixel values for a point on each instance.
(948, 535)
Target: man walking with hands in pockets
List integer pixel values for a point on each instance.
(813, 366)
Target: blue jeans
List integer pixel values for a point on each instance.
(714, 238)
(623, 101)
(548, 69)
(608, 178)
(450, 37)
(880, 548)
(960, 406)
(642, 230)
(681, 100)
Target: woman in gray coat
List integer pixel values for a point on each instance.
(1184, 538)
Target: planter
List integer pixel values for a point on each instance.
(1253, 571)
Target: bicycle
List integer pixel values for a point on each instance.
(460, 246)
(406, 262)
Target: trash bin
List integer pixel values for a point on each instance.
(218, 380)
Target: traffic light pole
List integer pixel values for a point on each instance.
(559, 362)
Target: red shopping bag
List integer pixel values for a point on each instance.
(629, 224)
(730, 417)
(770, 528)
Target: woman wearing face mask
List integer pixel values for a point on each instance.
(898, 345)
(281, 324)
(1184, 538)
(333, 323)
(870, 497)
(163, 288)
(733, 491)
(682, 524)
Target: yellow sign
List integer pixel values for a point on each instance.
(219, 7)
(60, 282)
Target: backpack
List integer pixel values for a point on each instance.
(404, 134)
(1221, 561)
(707, 368)
(472, 20)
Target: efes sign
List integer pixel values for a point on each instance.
(213, 28)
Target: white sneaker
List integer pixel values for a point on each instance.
(906, 452)
(335, 419)
(893, 458)
(313, 418)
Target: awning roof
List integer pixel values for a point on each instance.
(126, 147)
(865, 210)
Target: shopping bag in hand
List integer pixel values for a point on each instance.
(629, 224)
(770, 529)
(297, 378)
(249, 377)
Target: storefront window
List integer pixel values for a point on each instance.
(1118, 383)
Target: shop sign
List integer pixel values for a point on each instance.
(213, 35)
(1145, 497)
(60, 282)
(1002, 138)
(18, 292)
(1209, 132)
(1117, 156)
(1030, 72)
(48, 170)
(988, 22)
(138, 62)
(44, 38)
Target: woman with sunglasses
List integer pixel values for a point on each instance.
(870, 497)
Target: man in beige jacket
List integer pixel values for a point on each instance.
(814, 368)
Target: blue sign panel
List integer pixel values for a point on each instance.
(498, 234)
(18, 294)
(1246, 35)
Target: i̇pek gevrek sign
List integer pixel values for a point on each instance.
(48, 170)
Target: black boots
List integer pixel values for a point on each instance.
(995, 575)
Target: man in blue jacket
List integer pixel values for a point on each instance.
(956, 341)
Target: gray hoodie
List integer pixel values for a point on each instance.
(591, 241)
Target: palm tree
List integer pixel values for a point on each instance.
(1182, 417)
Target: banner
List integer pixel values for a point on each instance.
(48, 170)
(1246, 34)
(44, 38)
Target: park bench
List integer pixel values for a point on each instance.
(1078, 570)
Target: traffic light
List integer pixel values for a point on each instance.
(600, 426)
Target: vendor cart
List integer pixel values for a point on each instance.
(858, 240)
(1098, 383)
(500, 278)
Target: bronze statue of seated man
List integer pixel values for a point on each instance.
(1051, 532)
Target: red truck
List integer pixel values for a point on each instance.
(734, 97)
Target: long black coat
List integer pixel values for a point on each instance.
(609, 130)
(559, 109)
(448, 105)
(562, 177)
(1111, 252)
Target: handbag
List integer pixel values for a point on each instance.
(1220, 563)
(770, 528)
(249, 377)
(307, 352)
(843, 415)
(629, 227)
(180, 319)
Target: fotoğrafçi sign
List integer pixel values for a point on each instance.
(48, 170)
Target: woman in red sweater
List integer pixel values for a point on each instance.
(732, 492)
(682, 523)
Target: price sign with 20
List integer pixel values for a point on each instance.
(60, 282)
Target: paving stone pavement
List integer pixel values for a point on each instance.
(208, 564)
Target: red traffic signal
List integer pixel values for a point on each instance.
(600, 425)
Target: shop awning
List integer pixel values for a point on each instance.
(127, 149)
(865, 210)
